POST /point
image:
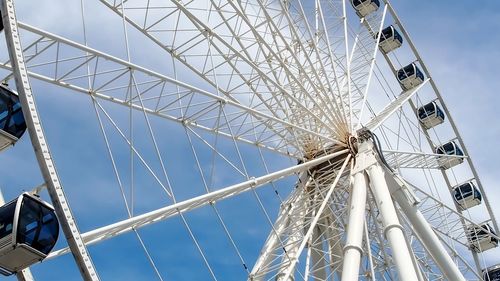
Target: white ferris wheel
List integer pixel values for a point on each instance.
(233, 140)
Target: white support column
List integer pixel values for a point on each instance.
(393, 231)
(392, 228)
(429, 239)
(353, 249)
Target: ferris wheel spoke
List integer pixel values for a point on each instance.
(307, 208)
(360, 64)
(128, 205)
(297, 68)
(394, 106)
(419, 160)
(257, 84)
(246, 76)
(315, 66)
(161, 95)
(140, 221)
(302, 72)
(263, 264)
(164, 185)
(329, 19)
(376, 32)
(299, 241)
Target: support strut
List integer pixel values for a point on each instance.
(353, 249)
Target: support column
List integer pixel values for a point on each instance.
(353, 249)
(423, 230)
(392, 228)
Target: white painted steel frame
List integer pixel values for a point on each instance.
(139, 221)
(124, 226)
(392, 228)
(453, 126)
(40, 145)
(274, 124)
(399, 191)
(445, 109)
(353, 249)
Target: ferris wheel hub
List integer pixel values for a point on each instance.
(352, 144)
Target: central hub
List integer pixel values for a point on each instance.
(352, 144)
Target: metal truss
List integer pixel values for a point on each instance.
(292, 78)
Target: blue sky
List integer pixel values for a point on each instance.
(459, 44)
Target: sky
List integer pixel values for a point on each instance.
(459, 44)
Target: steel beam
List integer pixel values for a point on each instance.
(40, 146)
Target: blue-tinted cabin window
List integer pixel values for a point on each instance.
(390, 32)
(478, 195)
(407, 71)
(7, 218)
(449, 149)
(478, 232)
(464, 191)
(11, 114)
(426, 110)
(366, 2)
(419, 73)
(38, 226)
(493, 275)
(482, 231)
(440, 113)
(398, 36)
(386, 33)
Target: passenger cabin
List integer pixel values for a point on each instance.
(28, 231)
(365, 7)
(492, 273)
(430, 115)
(12, 124)
(481, 238)
(467, 195)
(410, 76)
(390, 39)
(450, 149)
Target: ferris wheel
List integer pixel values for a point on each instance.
(234, 140)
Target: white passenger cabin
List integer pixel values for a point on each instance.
(365, 7)
(482, 237)
(390, 39)
(12, 124)
(430, 115)
(410, 76)
(449, 149)
(467, 195)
